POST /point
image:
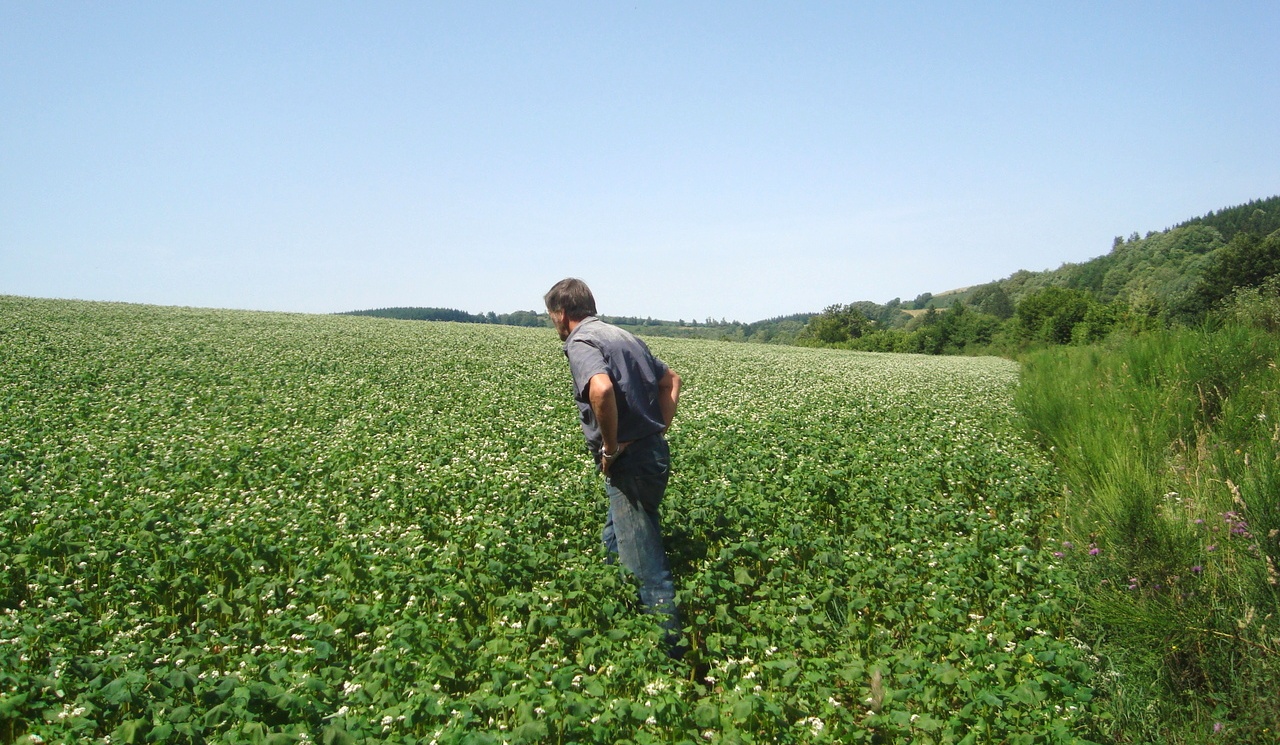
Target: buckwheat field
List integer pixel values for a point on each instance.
(221, 526)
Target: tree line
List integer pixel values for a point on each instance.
(1178, 276)
(518, 318)
(1181, 276)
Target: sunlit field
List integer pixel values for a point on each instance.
(249, 527)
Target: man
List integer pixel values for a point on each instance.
(627, 399)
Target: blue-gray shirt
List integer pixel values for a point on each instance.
(597, 347)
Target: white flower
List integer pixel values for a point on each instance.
(816, 725)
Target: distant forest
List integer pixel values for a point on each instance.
(518, 318)
(1179, 276)
(783, 329)
(1176, 276)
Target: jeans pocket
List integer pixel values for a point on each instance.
(644, 485)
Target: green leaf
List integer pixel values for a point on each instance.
(10, 706)
(335, 734)
(928, 723)
(529, 732)
(790, 676)
(129, 732)
(706, 715)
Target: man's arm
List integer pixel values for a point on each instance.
(668, 397)
(605, 406)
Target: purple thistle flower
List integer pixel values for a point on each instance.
(1057, 554)
(1197, 569)
(1211, 547)
(1068, 545)
(1094, 550)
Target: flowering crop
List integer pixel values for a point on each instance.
(259, 527)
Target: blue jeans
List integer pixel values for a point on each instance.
(635, 485)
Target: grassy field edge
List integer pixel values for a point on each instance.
(1167, 447)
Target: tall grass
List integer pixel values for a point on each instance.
(1167, 444)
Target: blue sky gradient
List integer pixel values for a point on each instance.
(736, 160)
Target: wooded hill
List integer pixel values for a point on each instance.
(1160, 268)
(1176, 275)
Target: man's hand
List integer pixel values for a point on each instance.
(607, 458)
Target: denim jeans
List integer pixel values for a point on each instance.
(635, 485)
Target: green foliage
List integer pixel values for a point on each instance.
(992, 300)
(1098, 322)
(518, 318)
(1177, 275)
(836, 324)
(957, 330)
(222, 526)
(1258, 216)
(1167, 444)
(1255, 307)
(953, 331)
(921, 302)
(777, 330)
(1244, 263)
(961, 329)
(1051, 314)
(1181, 272)
(1144, 283)
(891, 315)
(1092, 276)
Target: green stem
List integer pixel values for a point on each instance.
(1233, 637)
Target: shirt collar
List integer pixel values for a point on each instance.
(583, 322)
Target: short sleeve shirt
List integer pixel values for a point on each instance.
(596, 347)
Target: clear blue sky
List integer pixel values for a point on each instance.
(737, 160)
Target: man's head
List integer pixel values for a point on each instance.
(569, 300)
